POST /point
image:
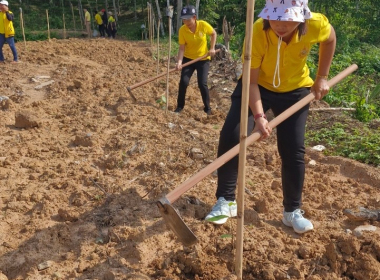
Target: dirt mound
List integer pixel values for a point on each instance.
(82, 165)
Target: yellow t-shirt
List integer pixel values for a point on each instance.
(87, 16)
(98, 19)
(294, 72)
(195, 43)
(2, 17)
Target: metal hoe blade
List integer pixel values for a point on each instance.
(176, 224)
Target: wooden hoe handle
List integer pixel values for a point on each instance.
(192, 181)
(171, 70)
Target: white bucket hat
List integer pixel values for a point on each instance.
(286, 10)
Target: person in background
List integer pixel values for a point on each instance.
(192, 39)
(87, 20)
(7, 31)
(99, 21)
(105, 21)
(111, 26)
(279, 77)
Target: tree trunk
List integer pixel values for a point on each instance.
(160, 19)
(197, 8)
(228, 31)
(135, 8)
(179, 8)
(116, 12)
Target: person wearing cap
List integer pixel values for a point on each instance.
(105, 20)
(99, 21)
(87, 20)
(111, 26)
(192, 37)
(7, 31)
(279, 77)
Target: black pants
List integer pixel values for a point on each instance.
(101, 30)
(290, 143)
(106, 29)
(202, 68)
(112, 32)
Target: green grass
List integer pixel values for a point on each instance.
(343, 136)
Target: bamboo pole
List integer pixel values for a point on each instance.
(64, 26)
(153, 25)
(158, 48)
(22, 26)
(169, 13)
(72, 12)
(149, 30)
(243, 138)
(48, 25)
(81, 15)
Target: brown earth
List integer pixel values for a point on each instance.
(82, 165)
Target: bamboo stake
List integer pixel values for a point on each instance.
(170, 15)
(72, 12)
(48, 25)
(64, 26)
(158, 48)
(243, 138)
(81, 15)
(22, 26)
(153, 25)
(149, 30)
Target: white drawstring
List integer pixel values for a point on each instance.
(277, 69)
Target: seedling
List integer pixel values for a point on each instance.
(161, 102)
(217, 218)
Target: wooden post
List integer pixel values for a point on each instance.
(243, 138)
(149, 30)
(153, 21)
(169, 13)
(22, 26)
(158, 48)
(72, 12)
(48, 25)
(64, 27)
(81, 15)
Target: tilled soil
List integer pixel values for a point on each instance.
(82, 166)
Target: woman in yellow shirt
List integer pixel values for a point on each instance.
(99, 21)
(7, 31)
(279, 77)
(192, 37)
(111, 26)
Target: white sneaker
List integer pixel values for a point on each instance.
(297, 221)
(221, 211)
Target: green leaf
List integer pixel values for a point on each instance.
(226, 235)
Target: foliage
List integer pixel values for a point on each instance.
(161, 102)
(348, 140)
